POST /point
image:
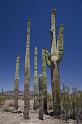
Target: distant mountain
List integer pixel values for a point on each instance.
(11, 92)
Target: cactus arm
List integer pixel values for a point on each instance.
(60, 46)
(53, 31)
(48, 57)
(47, 61)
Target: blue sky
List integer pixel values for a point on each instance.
(13, 25)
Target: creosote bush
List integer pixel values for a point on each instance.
(2, 100)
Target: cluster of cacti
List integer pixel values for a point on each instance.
(53, 60)
(71, 104)
(16, 83)
(41, 98)
(65, 102)
(36, 87)
(75, 104)
(40, 84)
(44, 80)
(27, 75)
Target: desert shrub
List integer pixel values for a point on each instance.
(2, 100)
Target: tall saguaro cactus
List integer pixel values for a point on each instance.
(27, 75)
(44, 80)
(53, 60)
(35, 81)
(16, 84)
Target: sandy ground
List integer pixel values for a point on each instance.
(15, 118)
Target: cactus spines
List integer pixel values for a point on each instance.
(41, 101)
(35, 81)
(53, 60)
(27, 75)
(44, 80)
(16, 84)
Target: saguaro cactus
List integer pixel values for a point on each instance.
(41, 101)
(27, 75)
(53, 60)
(16, 84)
(35, 80)
(44, 80)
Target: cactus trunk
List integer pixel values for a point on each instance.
(44, 80)
(16, 84)
(35, 81)
(41, 110)
(55, 88)
(27, 75)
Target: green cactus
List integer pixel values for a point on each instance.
(44, 80)
(41, 101)
(65, 101)
(27, 75)
(53, 60)
(35, 81)
(16, 84)
(75, 103)
(2, 98)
